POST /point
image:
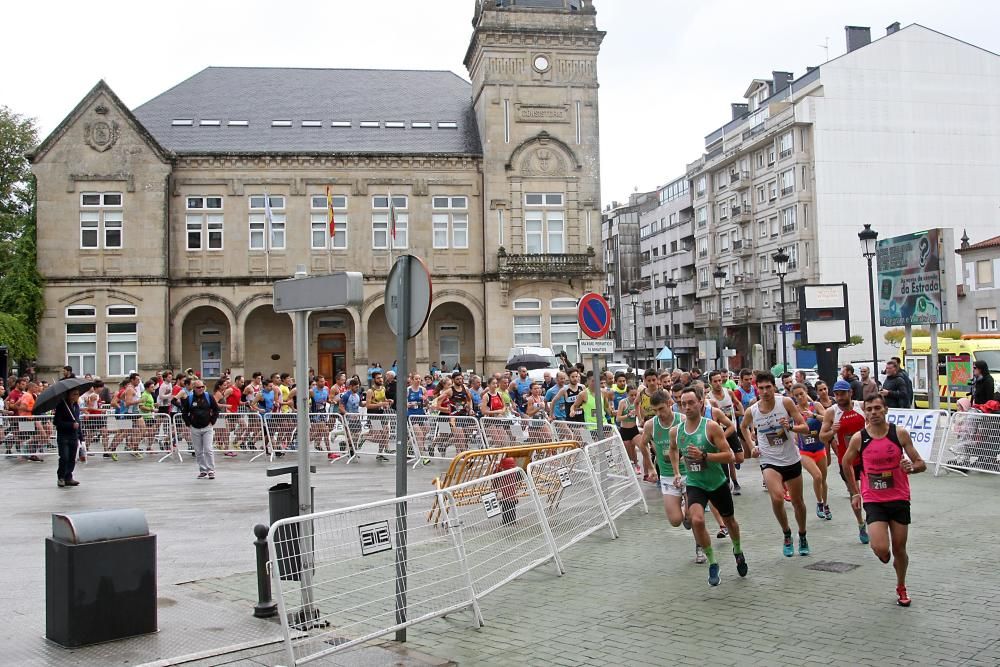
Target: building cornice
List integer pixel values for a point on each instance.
(440, 162)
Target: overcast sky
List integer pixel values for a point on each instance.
(668, 69)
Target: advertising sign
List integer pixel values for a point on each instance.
(959, 372)
(922, 425)
(913, 278)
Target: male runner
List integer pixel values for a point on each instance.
(705, 452)
(842, 422)
(724, 399)
(885, 486)
(776, 421)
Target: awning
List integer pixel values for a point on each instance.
(665, 354)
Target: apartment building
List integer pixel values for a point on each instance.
(979, 292)
(621, 251)
(161, 229)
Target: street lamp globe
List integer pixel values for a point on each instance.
(780, 260)
(719, 275)
(868, 238)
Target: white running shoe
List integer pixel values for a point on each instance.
(699, 555)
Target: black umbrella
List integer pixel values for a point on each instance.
(530, 362)
(54, 393)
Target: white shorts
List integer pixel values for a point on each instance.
(667, 487)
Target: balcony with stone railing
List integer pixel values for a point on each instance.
(551, 265)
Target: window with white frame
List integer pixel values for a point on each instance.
(986, 319)
(703, 246)
(787, 181)
(564, 333)
(724, 210)
(319, 222)
(760, 159)
(770, 154)
(204, 222)
(703, 277)
(527, 330)
(121, 310)
(81, 346)
(761, 194)
(527, 304)
(101, 217)
(81, 311)
(787, 219)
(772, 190)
(762, 228)
(765, 298)
(773, 221)
(793, 255)
(723, 242)
(260, 206)
(699, 186)
(382, 230)
(544, 223)
(762, 264)
(123, 348)
(785, 144)
(450, 222)
(701, 216)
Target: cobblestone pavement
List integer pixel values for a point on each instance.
(636, 600)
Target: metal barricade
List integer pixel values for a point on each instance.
(235, 433)
(337, 586)
(432, 435)
(582, 432)
(136, 434)
(972, 443)
(27, 437)
(514, 430)
(371, 435)
(573, 502)
(617, 479)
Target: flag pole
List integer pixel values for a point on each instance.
(267, 234)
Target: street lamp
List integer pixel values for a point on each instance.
(719, 275)
(868, 238)
(780, 260)
(671, 286)
(634, 293)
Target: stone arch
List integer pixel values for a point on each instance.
(266, 334)
(201, 347)
(179, 313)
(131, 299)
(474, 305)
(243, 309)
(192, 301)
(563, 158)
(454, 332)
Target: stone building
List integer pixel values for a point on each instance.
(162, 228)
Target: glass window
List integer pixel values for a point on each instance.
(527, 304)
(123, 344)
(987, 319)
(112, 229)
(380, 231)
(564, 334)
(787, 219)
(527, 330)
(194, 232)
(533, 232)
(81, 348)
(785, 144)
(762, 264)
(787, 181)
(81, 311)
(984, 272)
(89, 225)
(439, 226)
(257, 231)
(563, 304)
(121, 311)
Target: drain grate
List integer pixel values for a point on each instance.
(832, 566)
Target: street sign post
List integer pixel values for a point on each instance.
(600, 346)
(407, 307)
(594, 315)
(335, 290)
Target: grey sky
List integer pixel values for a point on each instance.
(668, 69)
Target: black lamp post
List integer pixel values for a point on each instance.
(780, 260)
(869, 238)
(634, 293)
(671, 286)
(719, 275)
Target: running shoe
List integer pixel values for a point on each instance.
(741, 564)
(380, 457)
(699, 555)
(788, 498)
(788, 548)
(819, 511)
(211, 475)
(827, 514)
(638, 470)
(803, 546)
(713, 574)
(333, 456)
(736, 489)
(202, 475)
(723, 532)
(114, 457)
(425, 461)
(902, 599)
(686, 523)
(863, 534)
(230, 454)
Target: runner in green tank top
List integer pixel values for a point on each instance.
(656, 436)
(705, 451)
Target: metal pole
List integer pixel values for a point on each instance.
(635, 337)
(402, 385)
(871, 305)
(670, 338)
(598, 396)
(721, 334)
(784, 329)
(933, 393)
(302, 400)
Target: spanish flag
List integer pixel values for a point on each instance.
(329, 210)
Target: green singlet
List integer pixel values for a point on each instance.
(661, 443)
(702, 474)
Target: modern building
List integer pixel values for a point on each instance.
(979, 292)
(161, 229)
(666, 243)
(620, 250)
(899, 132)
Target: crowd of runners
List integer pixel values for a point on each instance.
(687, 433)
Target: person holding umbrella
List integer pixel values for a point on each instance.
(64, 398)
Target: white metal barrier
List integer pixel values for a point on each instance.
(972, 443)
(582, 432)
(235, 432)
(574, 504)
(371, 435)
(432, 435)
(618, 481)
(26, 437)
(514, 430)
(345, 567)
(108, 434)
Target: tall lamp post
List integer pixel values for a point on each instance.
(671, 286)
(719, 275)
(634, 294)
(868, 238)
(780, 260)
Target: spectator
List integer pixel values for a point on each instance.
(69, 436)
(983, 387)
(857, 391)
(869, 385)
(894, 390)
(200, 412)
(906, 378)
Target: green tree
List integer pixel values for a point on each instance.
(21, 296)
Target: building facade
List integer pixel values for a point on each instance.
(979, 292)
(620, 249)
(162, 229)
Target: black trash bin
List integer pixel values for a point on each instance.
(283, 503)
(100, 577)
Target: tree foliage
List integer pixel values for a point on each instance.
(21, 297)
(896, 336)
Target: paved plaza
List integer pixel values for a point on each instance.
(637, 600)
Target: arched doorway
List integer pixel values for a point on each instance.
(205, 342)
(382, 342)
(452, 336)
(267, 341)
(333, 342)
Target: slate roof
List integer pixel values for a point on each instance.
(261, 95)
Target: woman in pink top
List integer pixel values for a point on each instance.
(885, 486)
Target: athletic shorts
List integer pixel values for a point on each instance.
(895, 510)
(787, 472)
(815, 456)
(735, 443)
(857, 472)
(628, 432)
(667, 487)
(720, 498)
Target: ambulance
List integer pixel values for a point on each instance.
(973, 347)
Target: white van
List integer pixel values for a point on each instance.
(538, 361)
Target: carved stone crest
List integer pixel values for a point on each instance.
(101, 135)
(543, 162)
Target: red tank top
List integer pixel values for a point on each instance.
(851, 421)
(234, 400)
